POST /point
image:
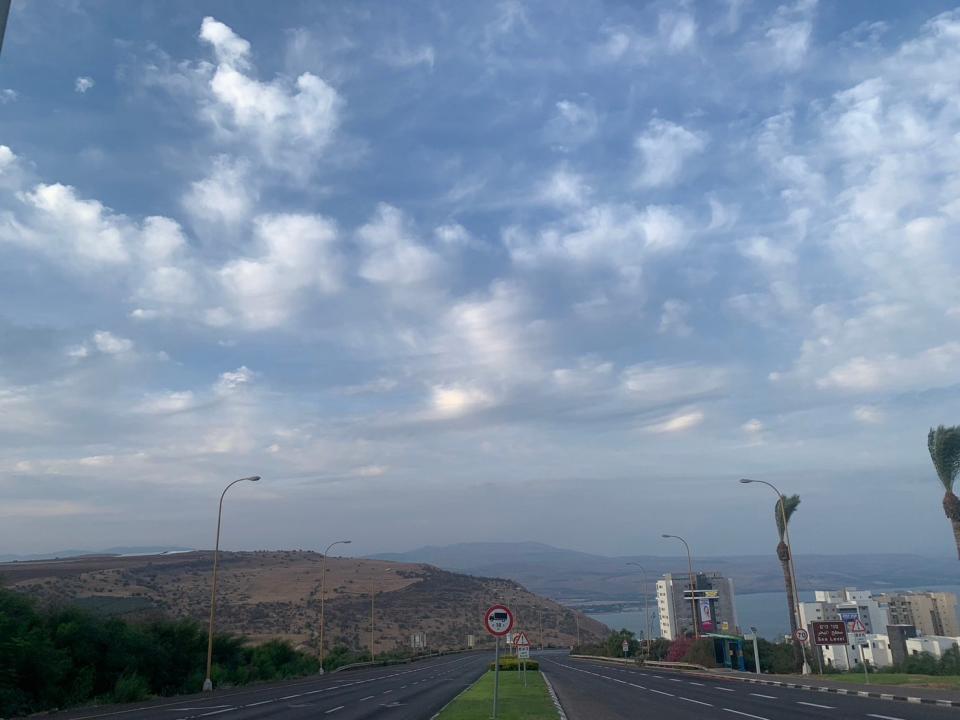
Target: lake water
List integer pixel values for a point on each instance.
(765, 611)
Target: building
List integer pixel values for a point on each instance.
(936, 645)
(847, 605)
(899, 634)
(715, 605)
(931, 613)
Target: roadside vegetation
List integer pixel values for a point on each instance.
(61, 657)
(515, 702)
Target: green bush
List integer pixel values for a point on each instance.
(130, 688)
(510, 663)
(61, 657)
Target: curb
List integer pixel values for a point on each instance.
(455, 697)
(553, 696)
(816, 688)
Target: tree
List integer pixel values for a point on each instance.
(782, 516)
(944, 446)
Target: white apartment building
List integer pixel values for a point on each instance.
(876, 651)
(834, 605)
(936, 645)
(676, 611)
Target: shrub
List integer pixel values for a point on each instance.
(130, 688)
(510, 663)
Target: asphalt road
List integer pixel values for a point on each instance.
(600, 691)
(414, 691)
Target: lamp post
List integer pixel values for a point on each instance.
(790, 566)
(540, 611)
(323, 580)
(208, 682)
(646, 611)
(693, 583)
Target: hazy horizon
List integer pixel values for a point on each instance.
(452, 272)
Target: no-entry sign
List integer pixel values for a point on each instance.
(498, 620)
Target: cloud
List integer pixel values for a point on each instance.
(677, 423)
(453, 401)
(934, 367)
(406, 57)
(298, 256)
(677, 30)
(225, 197)
(392, 254)
(7, 96)
(663, 149)
(564, 189)
(655, 385)
(868, 415)
(289, 124)
(167, 403)
(82, 84)
(110, 344)
(673, 318)
(573, 123)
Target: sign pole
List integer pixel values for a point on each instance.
(496, 676)
(756, 654)
(863, 661)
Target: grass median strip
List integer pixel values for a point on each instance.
(515, 701)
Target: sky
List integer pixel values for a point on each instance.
(447, 272)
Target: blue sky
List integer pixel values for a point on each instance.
(445, 272)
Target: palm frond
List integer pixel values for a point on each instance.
(944, 446)
(792, 501)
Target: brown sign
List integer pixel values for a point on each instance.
(829, 633)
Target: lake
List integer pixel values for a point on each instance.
(765, 611)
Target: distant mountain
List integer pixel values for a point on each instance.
(571, 575)
(137, 550)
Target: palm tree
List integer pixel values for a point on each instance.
(782, 516)
(944, 446)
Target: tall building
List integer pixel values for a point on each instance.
(931, 613)
(715, 605)
(844, 604)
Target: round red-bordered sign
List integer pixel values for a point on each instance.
(801, 635)
(498, 620)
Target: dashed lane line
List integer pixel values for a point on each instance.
(766, 697)
(822, 707)
(700, 684)
(717, 687)
(883, 717)
(368, 697)
(737, 712)
(698, 702)
(333, 710)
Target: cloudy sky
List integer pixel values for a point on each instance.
(443, 272)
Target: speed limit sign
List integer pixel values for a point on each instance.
(801, 635)
(498, 620)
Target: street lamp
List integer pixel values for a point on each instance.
(646, 612)
(790, 566)
(693, 583)
(207, 682)
(323, 579)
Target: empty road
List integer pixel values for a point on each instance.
(414, 691)
(601, 691)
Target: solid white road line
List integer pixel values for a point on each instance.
(755, 717)
(661, 692)
(262, 702)
(824, 707)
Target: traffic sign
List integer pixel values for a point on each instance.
(498, 620)
(523, 652)
(801, 635)
(520, 639)
(858, 628)
(626, 647)
(829, 633)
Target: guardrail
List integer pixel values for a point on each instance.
(397, 661)
(648, 663)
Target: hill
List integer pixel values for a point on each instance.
(276, 594)
(569, 575)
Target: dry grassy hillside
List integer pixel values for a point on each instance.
(265, 595)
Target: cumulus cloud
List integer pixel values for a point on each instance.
(290, 124)
(934, 367)
(225, 197)
(393, 256)
(673, 318)
(680, 422)
(452, 401)
(82, 84)
(663, 149)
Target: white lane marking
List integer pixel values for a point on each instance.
(717, 687)
(216, 712)
(693, 683)
(698, 702)
(768, 697)
(205, 707)
(291, 697)
(636, 686)
(675, 680)
(661, 692)
(333, 710)
(386, 691)
(755, 717)
(824, 707)
(368, 697)
(883, 717)
(262, 702)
